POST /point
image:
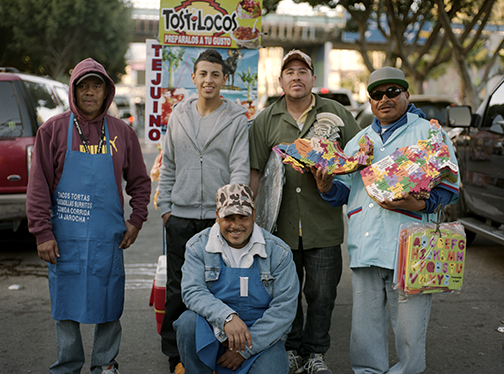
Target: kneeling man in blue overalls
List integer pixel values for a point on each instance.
(240, 286)
(75, 210)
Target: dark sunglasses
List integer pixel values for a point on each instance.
(391, 92)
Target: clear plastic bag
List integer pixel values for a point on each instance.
(430, 258)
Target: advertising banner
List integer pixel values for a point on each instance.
(209, 23)
(168, 82)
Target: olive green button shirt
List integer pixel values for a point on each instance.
(322, 225)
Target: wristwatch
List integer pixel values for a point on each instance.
(229, 318)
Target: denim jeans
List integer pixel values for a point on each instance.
(320, 270)
(272, 361)
(107, 337)
(375, 305)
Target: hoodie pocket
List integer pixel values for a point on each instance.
(187, 188)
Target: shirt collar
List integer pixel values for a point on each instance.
(257, 237)
(303, 116)
(386, 131)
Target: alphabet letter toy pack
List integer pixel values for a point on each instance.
(430, 260)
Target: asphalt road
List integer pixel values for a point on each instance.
(462, 336)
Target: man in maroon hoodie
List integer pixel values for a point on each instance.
(75, 210)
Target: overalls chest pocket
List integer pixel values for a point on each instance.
(268, 281)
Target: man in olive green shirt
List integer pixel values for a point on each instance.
(310, 226)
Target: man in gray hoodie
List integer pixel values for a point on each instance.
(205, 148)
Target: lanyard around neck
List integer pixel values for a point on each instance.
(83, 139)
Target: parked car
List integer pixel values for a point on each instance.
(342, 95)
(125, 110)
(26, 102)
(481, 162)
(433, 106)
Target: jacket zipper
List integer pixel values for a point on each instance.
(201, 184)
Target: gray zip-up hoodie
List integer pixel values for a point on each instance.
(190, 176)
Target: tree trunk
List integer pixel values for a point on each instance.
(470, 97)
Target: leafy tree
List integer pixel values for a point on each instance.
(398, 20)
(173, 58)
(250, 80)
(52, 36)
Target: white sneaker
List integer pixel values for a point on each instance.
(110, 369)
(295, 363)
(315, 364)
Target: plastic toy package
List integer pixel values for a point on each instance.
(269, 195)
(430, 258)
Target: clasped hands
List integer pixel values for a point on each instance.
(238, 335)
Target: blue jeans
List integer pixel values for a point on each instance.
(409, 314)
(107, 337)
(320, 269)
(272, 361)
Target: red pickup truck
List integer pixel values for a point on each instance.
(26, 102)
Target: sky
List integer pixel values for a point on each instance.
(284, 7)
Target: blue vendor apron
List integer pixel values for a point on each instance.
(87, 283)
(249, 308)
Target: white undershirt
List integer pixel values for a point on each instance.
(243, 257)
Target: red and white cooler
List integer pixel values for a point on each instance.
(158, 293)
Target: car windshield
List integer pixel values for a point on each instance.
(45, 103)
(433, 110)
(341, 98)
(121, 102)
(10, 118)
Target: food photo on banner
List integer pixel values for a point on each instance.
(211, 24)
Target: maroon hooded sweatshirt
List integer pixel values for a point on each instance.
(49, 157)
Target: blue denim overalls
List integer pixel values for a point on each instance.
(249, 309)
(87, 283)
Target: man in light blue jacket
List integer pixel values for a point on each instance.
(239, 283)
(205, 147)
(373, 231)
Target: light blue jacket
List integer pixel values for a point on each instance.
(372, 231)
(278, 275)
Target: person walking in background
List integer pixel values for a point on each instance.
(75, 210)
(205, 147)
(240, 311)
(312, 229)
(373, 232)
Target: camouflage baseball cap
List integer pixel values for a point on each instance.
(234, 199)
(296, 54)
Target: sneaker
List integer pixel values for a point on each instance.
(295, 363)
(109, 370)
(179, 369)
(315, 364)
